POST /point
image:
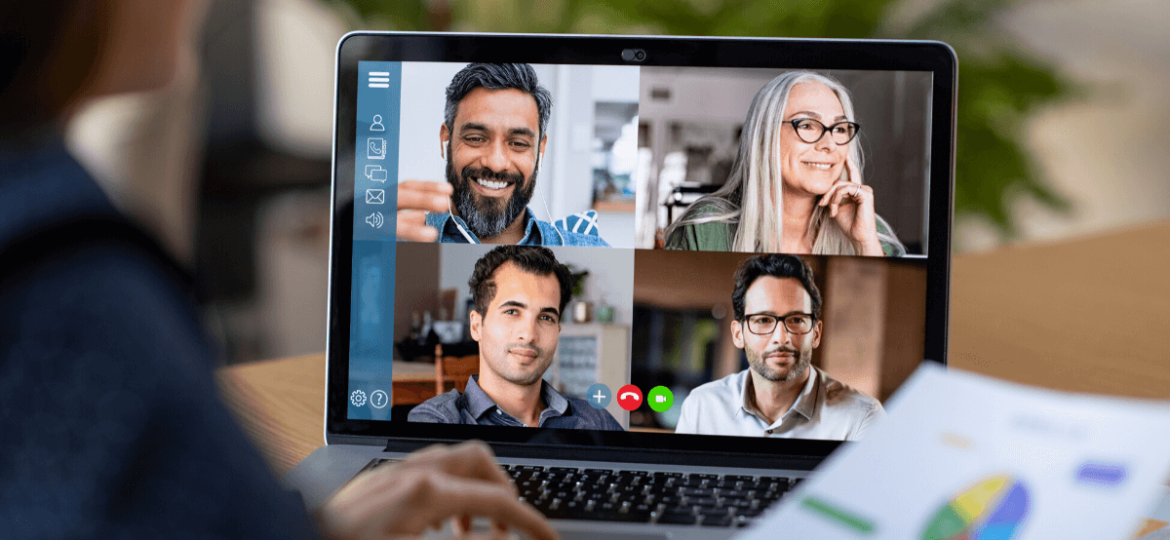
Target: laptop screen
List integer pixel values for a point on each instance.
(676, 251)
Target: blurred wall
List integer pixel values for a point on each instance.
(296, 44)
(418, 272)
(1104, 149)
(144, 150)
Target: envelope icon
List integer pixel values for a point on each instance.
(375, 196)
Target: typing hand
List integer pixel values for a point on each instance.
(428, 488)
(414, 199)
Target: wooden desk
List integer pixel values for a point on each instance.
(281, 403)
(1087, 315)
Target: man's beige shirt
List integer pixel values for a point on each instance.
(825, 409)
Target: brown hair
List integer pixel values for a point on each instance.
(48, 52)
(778, 266)
(538, 261)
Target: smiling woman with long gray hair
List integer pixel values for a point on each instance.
(795, 185)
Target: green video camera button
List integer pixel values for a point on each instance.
(660, 398)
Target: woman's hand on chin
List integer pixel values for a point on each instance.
(850, 204)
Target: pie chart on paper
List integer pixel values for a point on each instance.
(993, 509)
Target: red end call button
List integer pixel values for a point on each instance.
(629, 397)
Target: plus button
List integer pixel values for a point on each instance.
(598, 396)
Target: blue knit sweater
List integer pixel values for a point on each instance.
(109, 422)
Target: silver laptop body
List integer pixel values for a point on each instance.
(640, 129)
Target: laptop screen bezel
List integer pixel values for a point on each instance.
(779, 53)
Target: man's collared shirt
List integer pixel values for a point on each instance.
(825, 409)
(574, 230)
(473, 406)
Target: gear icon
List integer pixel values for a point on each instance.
(358, 398)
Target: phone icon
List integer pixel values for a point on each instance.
(629, 397)
(376, 148)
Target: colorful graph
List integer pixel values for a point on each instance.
(993, 509)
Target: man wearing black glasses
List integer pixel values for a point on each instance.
(778, 324)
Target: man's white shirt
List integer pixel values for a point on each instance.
(825, 409)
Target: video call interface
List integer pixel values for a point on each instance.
(712, 251)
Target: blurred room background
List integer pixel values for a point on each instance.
(1062, 127)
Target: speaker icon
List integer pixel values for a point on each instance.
(375, 220)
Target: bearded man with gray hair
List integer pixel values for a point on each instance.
(493, 137)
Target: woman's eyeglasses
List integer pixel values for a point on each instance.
(811, 131)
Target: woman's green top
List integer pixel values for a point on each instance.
(720, 236)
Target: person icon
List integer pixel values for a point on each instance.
(377, 125)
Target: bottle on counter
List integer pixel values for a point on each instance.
(415, 327)
(428, 336)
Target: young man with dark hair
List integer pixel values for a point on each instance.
(778, 324)
(519, 293)
(493, 136)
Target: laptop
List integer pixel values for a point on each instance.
(657, 364)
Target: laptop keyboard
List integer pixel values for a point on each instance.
(673, 498)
